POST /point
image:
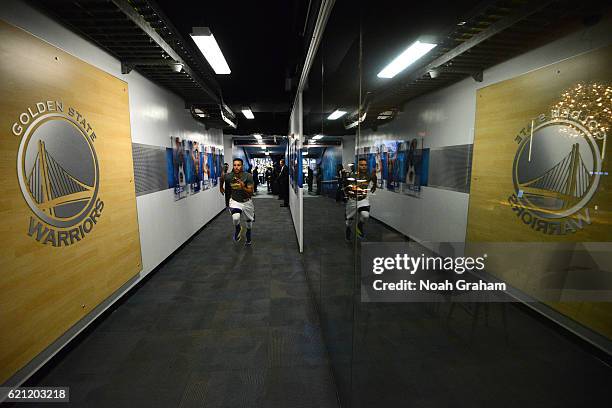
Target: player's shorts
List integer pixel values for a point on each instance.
(247, 208)
(353, 206)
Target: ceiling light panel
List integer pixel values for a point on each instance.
(406, 58)
(205, 40)
(336, 114)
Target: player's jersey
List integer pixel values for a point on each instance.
(358, 185)
(237, 193)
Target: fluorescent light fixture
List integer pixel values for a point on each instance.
(199, 112)
(336, 114)
(317, 137)
(227, 120)
(267, 153)
(248, 113)
(207, 44)
(257, 136)
(402, 61)
(263, 147)
(356, 121)
(304, 153)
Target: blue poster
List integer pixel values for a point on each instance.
(331, 162)
(178, 180)
(400, 166)
(193, 166)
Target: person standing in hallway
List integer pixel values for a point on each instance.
(283, 183)
(341, 177)
(275, 173)
(269, 179)
(358, 184)
(310, 179)
(225, 186)
(240, 202)
(256, 177)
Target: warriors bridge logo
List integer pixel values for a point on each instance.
(58, 173)
(558, 164)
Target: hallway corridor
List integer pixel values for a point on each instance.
(236, 330)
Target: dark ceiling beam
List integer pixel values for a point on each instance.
(474, 73)
(130, 63)
(137, 19)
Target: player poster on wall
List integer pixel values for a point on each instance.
(206, 153)
(400, 166)
(178, 180)
(294, 157)
(214, 167)
(378, 165)
(193, 167)
(417, 167)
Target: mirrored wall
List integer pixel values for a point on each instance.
(406, 158)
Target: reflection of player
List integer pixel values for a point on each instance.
(240, 202)
(378, 161)
(357, 188)
(411, 173)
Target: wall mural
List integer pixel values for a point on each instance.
(192, 167)
(400, 166)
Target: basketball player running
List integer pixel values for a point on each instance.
(240, 201)
(358, 184)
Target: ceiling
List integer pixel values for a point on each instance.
(472, 36)
(264, 43)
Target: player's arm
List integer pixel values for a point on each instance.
(222, 185)
(247, 186)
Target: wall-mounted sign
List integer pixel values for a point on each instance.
(558, 162)
(540, 175)
(58, 173)
(69, 233)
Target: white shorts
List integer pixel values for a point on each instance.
(352, 206)
(247, 208)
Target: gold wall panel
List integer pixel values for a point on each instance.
(76, 240)
(565, 189)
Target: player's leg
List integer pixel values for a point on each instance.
(351, 209)
(249, 229)
(249, 213)
(364, 215)
(236, 212)
(347, 233)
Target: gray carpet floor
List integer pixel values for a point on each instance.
(434, 354)
(218, 325)
(221, 325)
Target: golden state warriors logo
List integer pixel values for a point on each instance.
(558, 163)
(58, 173)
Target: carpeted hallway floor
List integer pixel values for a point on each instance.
(218, 325)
